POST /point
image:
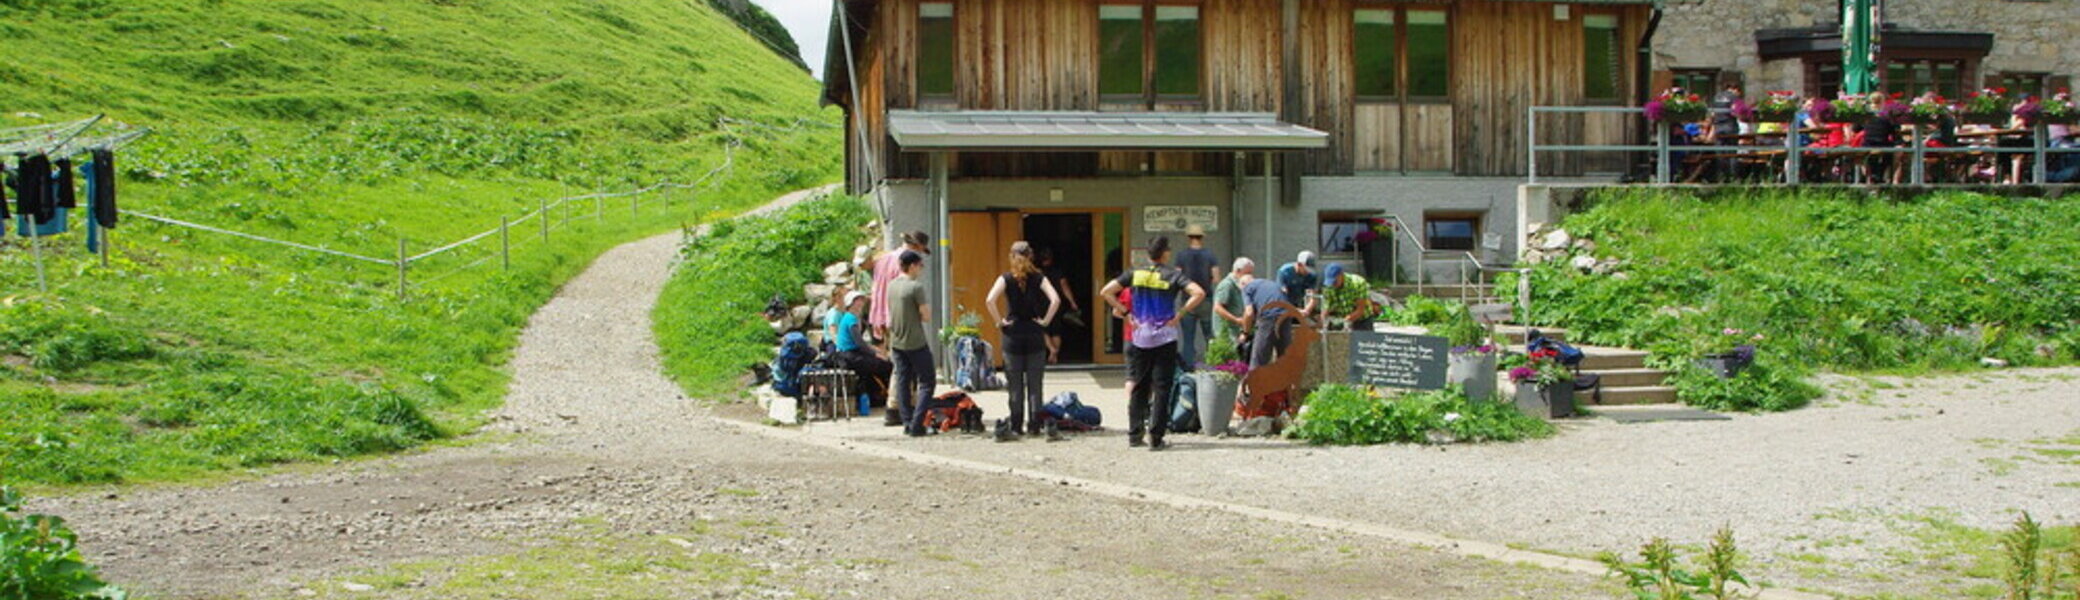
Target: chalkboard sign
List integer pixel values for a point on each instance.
(1398, 361)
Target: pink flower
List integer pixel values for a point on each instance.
(1731, 331)
(1522, 374)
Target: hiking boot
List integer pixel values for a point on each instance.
(1158, 445)
(1005, 432)
(1134, 440)
(1054, 432)
(891, 419)
(1033, 427)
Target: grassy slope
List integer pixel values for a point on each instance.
(1833, 280)
(349, 124)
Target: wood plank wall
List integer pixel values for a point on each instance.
(1041, 55)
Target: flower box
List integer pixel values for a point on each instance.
(1982, 118)
(1554, 401)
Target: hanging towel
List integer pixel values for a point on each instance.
(103, 183)
(67, 195)
(54, 226)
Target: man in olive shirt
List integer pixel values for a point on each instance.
(907, 313)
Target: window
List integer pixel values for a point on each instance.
(1601, 60)
(1695, 80)
(1452, 231)
(1339, 233)
(1912, 77)
(2034, 84)
(1373, 42)
(1177, 51)
(1143, 46)
(935, 49)
(1429, 55)
(1120, 50)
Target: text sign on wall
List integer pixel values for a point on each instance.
(1162, 219)
(1398, 361)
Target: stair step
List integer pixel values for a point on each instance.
(1654, 394)
(1615, 378)
(1517, 335)
(1612, 359)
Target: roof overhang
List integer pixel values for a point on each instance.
(1078, 131)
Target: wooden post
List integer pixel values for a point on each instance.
(401, 263)
(505, 242)
(599, 208)
(632, 205)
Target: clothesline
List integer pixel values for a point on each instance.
(56, 137)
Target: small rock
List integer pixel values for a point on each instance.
(1584, 263)
(1992, 362)
(1557, 240)
(357, 587)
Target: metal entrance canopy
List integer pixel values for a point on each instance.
(1070, 131)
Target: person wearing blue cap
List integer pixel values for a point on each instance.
(1347, 297)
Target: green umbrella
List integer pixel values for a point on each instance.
(1859, 46)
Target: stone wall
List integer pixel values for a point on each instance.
(2035, 36)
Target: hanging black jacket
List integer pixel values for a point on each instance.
(32, 189)
(105, 188)
(68, 190)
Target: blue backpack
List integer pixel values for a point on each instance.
(1570, 356)
(795, 355)
(1184, 403)
(1066, 406)
(972, 369)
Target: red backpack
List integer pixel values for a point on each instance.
(953, 410)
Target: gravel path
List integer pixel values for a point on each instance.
(1825, 498)
(595, 444)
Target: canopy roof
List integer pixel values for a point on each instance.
(1071, 131)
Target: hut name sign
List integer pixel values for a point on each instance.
(1398, 361)
(1176, 219)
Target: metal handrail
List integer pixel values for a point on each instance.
(1793, 151)
(1523, 274)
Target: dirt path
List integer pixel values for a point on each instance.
(609, 465)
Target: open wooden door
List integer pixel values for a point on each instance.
(977, 252)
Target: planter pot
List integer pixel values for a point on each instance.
(1991, 119)
(1549, 402)
(1725, 366)
(1378, 256)
(1216, 403)
(1474, 373)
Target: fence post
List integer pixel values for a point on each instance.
(599, 208)
(542, 214)
(1793, 156)
(632, 205)
(1920, 170)
(401, 263)
(2042, 171)
(36, 243)
(505, 242)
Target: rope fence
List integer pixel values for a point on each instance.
(545, 210)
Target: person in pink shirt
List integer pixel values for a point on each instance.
(886, 269)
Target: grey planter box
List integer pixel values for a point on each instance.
(1474, 373)
(1551, 402)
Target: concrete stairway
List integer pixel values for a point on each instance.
(1623, 372)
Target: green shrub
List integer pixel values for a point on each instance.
(60, 337)
(707, 319)
(1766, 385)
(39, 558)
(1346, 415)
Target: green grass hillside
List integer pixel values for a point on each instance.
(351, 124)
(1829, 279)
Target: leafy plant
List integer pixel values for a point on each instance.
(40, 559)
(1345, 415)
(1220, 353)
(2031, 571)
(1542, 368)
(1661, 575)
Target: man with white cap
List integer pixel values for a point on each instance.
(856, 355)
(1299, 281)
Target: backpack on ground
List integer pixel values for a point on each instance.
(795, 355)
(1071, 414)
(1184, 404)
(972, 369)
(953, 410)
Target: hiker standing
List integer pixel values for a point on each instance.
(1152, 348)
(1229, 306)
(907, 313)
(1200, 266)
(886, 269)
(1032, 302)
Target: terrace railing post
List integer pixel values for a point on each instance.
(2042, 170)
(1920, 169)
(1793, 158)
(1531, 158)
(1661, 152)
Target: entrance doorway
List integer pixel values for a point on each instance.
(1087, 249)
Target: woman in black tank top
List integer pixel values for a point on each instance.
(1032, 301)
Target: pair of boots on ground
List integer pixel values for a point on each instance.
(1007, 431)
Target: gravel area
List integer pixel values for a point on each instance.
(1825, 498)
(595, 443)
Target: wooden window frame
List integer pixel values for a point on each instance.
(1148, 97)
(953, 70)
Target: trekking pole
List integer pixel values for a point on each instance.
(505, 242)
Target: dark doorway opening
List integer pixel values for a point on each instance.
(1066, 239)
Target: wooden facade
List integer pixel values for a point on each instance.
(1505, 56)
